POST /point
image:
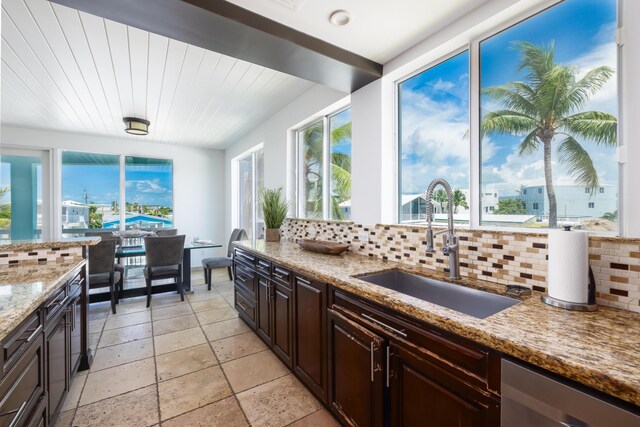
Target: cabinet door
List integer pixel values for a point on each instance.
(282, 307)
(309, 328)
(424, 394)
(263, 323)
(356, 377)
(57, 359)
(76, 334)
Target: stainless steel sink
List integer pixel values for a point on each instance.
(473, 302)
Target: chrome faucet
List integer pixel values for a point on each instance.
(450, 244)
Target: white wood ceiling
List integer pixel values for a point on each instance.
(71, 71)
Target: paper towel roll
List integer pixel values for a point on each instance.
(568, 276)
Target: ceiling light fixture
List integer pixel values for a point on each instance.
(136, 126)
(339, 18)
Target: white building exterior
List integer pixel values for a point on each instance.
(574, 202)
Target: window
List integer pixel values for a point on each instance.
(249, 180)
(324, 167)
(21, 196)
(92, 192)
(535, 206)
(148, 193)
(433, 139)
(601, 190)
(569, 51)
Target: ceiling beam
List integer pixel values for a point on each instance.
(226, 28)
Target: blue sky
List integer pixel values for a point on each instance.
(435, 103)
(146, 185)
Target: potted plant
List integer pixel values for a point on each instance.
(274, 211)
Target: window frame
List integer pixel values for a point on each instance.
(235, 185)
(300, 202)
(472, 44)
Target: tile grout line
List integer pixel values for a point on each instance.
(155, 365)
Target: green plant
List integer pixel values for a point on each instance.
(95, 218)
(510, 207)
(459, 199)
(611, 216)
(545, 108)
(274, 207)
(440, 196)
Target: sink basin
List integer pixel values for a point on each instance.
(469, 301)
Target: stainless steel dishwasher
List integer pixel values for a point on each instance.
(536, 399)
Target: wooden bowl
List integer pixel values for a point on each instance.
(323, 246)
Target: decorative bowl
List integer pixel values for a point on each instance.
(323, 246)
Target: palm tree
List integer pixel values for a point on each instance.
(459, 199)
(340, 169)
(440, 196)
(545, 109)
(610, 216)
(5, 209)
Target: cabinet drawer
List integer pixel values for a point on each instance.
(263, 267)
(246, 279)
(246, 258)
(18, 340)
(281, 275)
(22, 387)
(246, 309)
(39, 415)
(75, 286)
(462, 357)
(56, 302)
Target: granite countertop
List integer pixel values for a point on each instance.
(30, 245)
(23, 289)
(599, 349)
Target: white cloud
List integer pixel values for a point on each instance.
(150, 186)
(604, 54)
(443, 85)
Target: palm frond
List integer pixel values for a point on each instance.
(592, 82)
(342, 160)
(535, 60)
(530, 143)
(341, 133)
(578, 162)
(510, 99)
(599, 127)
(340, 183)
(551, 93)
(507, 122)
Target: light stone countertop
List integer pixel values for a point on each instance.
(31, 245)
(599, 349)
(25, 288)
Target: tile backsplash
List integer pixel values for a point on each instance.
(39, 256)
(496, 256)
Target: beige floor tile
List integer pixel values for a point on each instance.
(75, 391)
(224, 413)
(124, 335)
(203, 296)
(107, 357)
(277, 403)
(94, 339)
(165, 300)
(249, 371)
(120, 379)
(320, 418)
(184, 361)
(131, 305)
(237, 346)
(179, 340)
(174, 324)
(97, 324)
(122, 320)
(136, 408)
(160, 313)
(224, 329)
(65, 418)
(216, 315)
(191, 391)
(209, 304)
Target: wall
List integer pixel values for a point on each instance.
(508, 258)
(198, 176)
(273, 133)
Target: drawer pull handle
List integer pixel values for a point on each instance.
(18, 412)
(388, 366)
(242, 306)
(31, 336)
(384, 325)
(371, 345)
(303, 281)
(280, 272)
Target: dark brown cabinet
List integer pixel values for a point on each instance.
(309, 339)
(356, 376)
(57, 358)
(75, 311)
(282, 309)
(422, 393)
(263, 322)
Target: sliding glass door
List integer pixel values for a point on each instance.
(250, 179)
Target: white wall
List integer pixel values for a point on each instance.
(198, 176)
(273, 133)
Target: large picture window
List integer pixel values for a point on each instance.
(434, 139)
(148, 193)
(545, 134)
(249, 181)
(324, 167)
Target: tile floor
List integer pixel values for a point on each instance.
(191, 363)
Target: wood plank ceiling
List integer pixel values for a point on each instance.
(71, 71)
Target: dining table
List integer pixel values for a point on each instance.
(139, 250)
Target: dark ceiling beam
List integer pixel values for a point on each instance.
(226, 28)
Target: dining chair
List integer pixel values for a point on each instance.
(102, 272)
(118, 266)
(209, 264)
(161, 232)
(164, 261)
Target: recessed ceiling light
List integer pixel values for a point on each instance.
(339, 18)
